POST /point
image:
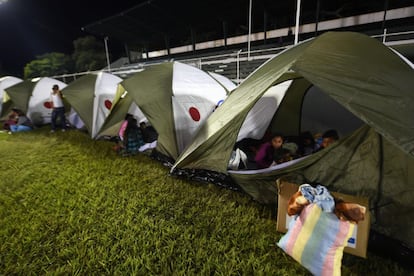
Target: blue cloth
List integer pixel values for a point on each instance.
(18, 128)
(319, 195)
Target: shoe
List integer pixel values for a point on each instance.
(9, 132)
(63, 130)
(52, 131)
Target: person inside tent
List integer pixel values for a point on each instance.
(124, 126)
(307, 144)
(328, 138)
(149, 133)
(11, 120)
(249, 147)
(282, 155)
(56, 99)
(132, 139)
(265, 155)
(22, 124)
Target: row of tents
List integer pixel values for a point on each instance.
(342, 80)
(89, 99)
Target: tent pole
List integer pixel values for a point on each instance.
(107, 53)
(318, 7)
(128, 54)
(250, 30)
(384, 20)
(297, 21)
(167, 44)
(264, 27)
(193, 38)
(225, 33)
(238, 67)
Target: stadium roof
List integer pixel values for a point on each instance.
(161, 24)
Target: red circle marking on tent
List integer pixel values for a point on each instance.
(194, 113)
(108, 104)
(47, 104)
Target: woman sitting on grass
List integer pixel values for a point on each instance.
(23, 123)
(11, 120)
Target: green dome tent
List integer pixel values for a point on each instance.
(174, 97)
(6, 82)
(123, 103)
(91, 98)
(377, 160)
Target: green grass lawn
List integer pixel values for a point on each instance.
(71, 205)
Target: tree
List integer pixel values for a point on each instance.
(48, 65)
(89, 54)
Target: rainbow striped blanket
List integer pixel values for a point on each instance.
(316, 239)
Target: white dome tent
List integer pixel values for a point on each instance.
(33, 98)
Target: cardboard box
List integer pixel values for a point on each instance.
(357, 244)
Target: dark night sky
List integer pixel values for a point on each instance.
(29, 28)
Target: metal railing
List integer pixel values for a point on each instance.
(231, 57)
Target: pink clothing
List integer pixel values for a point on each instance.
(122, 129)
(264, 156)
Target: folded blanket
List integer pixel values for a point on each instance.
(316, 239)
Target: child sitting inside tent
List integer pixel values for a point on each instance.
(132, 139)
(265, 155)
(307, 144)
(328, 138)
(123, 127)
(149, 134)
(282, 155)
(248, 147)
